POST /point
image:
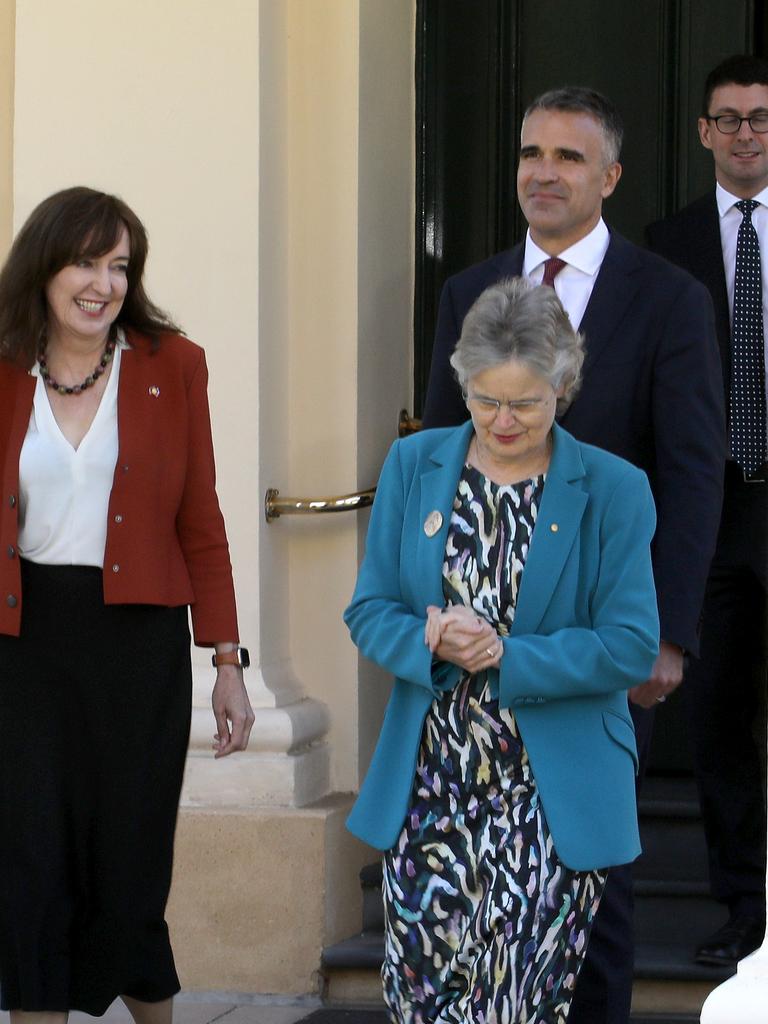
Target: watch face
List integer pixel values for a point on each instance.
(245, 658)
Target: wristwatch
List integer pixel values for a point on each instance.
(239, 656)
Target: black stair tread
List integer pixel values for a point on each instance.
(667, 961)
(653, 960)
(371, 874)
(653, 1018)
(363, 950)
(349, 1015)
(674, 888)
(665, 796)
(362, 1015)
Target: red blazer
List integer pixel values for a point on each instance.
(166, 542)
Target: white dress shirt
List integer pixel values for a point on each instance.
(730, 221)
(574, 284)
(64, 491)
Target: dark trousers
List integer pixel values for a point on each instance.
(725, 694)
(604, 988)
(723, 690)
(94, 721)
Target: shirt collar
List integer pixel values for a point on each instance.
(726, 201)
(585, 255)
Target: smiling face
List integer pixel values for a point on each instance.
(563, 176)
(741, 159)
(84, 298)
(514, 437)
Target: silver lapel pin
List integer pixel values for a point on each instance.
(432, 523)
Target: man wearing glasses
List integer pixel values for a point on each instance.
(722, 239)
(651, 392)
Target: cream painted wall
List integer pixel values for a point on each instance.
(7, 48)
(159, 103)
(351, 174)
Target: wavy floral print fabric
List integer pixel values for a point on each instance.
(483, 924)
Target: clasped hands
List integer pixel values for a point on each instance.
(458, 635)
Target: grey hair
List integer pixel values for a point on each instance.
(577, 99)
(515, 319)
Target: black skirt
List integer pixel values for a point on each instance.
(95, 705)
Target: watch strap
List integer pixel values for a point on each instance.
(239, 657)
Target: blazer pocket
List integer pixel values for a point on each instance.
(622, 731)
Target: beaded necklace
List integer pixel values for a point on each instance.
(75, 389)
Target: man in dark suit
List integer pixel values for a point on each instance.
(652, 393)
(711, 239)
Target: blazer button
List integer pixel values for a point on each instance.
(12, 501)
(11, 601)
(118, 518)
(115, 567)
(11, 551)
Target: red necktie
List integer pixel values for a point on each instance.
(552, 268)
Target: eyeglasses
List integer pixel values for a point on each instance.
(730, 124)
(491, 407)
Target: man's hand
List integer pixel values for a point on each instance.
(666, 676)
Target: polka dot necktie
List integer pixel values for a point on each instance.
(747, 398)
(552, 268)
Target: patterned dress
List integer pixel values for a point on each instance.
(483, 923)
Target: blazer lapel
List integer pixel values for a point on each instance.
(705, 250)
(18, 396)
(557, 527)
(510, 262)
(127, 419)
(140, 376)
(438, 489)
(611, 296)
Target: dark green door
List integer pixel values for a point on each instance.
(478, 65)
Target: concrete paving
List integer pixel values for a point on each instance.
(205, 1008)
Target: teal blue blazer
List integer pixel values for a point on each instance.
(586, 630)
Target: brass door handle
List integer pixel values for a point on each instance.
(275, 506)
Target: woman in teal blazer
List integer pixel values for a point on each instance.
(540, 672)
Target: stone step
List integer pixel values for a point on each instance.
(361, 1015)
(666, 961)
(653, 1001)
(680, 910)
(671, 833)
(675, 913)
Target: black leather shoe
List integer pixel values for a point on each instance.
(741, 934)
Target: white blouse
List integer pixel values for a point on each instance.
(64, 491)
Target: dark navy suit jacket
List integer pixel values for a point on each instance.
(652, 393)
(691, 239)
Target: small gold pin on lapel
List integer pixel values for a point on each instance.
(554, 527)
(154, 390)
(432, 523)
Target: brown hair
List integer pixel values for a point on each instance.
(740, 69)
(68, 225)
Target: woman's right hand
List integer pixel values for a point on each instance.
(458, 635)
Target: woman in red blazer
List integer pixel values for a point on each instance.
(110, 530)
